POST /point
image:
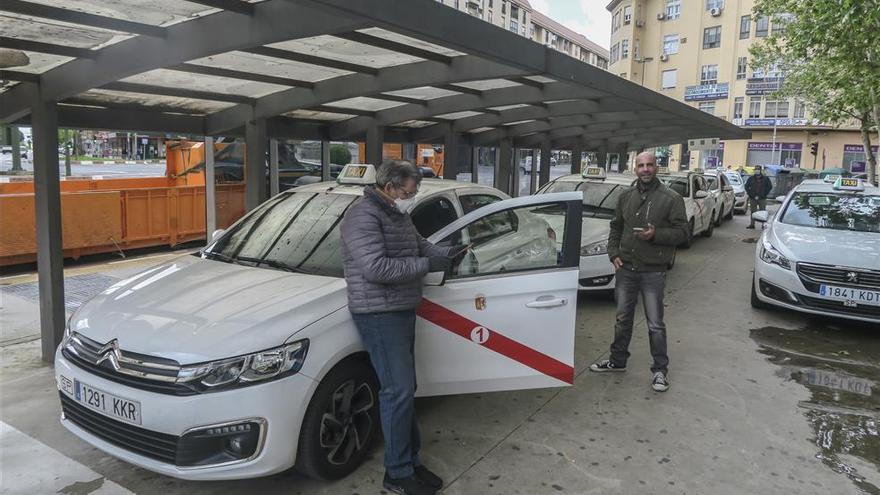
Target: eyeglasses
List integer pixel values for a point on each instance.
(407, 194)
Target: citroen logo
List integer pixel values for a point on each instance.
(852, 277)
(110, 351)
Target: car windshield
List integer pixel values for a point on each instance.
(860, 213)
(297, 232)
(600, 198)
(677, 184)
(713, 182)
(735, 179)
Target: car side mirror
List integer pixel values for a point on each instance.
(435, 279)
(760, 216)
(216, 234)
(780, 198)
(701, 194)
(727, 189)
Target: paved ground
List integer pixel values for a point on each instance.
(761, 402)
(135, 170)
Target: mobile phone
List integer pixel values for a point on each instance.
(638, 229)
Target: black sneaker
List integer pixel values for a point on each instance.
(428, 477)
(411, 485)
(659, 382)
(606, 365)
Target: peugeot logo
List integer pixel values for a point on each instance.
(110, 351)
(852, 277)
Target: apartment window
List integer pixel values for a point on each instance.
(615, 22)
(781, 109)
(741, 64)
(755, 107)
(762, 25)
(669, 79)
(670, 44)
(714, 4)
(673, 9)
(780, 22)
(490, 3)
(627, 14)
(712, 37)
(615, 53)
(624, 49)
(738, 107)
(503, 7)
(514, 25)
(708, 107)
(709, 74)
(799, 109)
(770, 109)
(745, 27)
(524, 15)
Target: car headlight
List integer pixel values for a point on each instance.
(595, 248)
(770, 255)
(740, 194)
(244, 370)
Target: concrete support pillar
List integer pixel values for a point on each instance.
(602, 158)
(546, 154)
(255, 170)
(450, 155)
(475, 164)
(409, 152)
(502, 168)
(210, 191)
(533, 172)
(47, 201)
(576, 153)
(514, 172)
(15, 141)
(274, 186)
(622, 158)
(325, 160)
(375, 140)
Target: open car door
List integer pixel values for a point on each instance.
(504, 317)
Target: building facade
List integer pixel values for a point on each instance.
(519, 17)
(697, 51)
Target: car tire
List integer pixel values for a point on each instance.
(729, 215)
(690, 236)
(324, 451)
(757, 303)
(710, 229)
(720, 215)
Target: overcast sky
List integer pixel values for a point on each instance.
(587, 17)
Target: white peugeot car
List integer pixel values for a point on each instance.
(820, 253)
(601, 193)
(698, 203)
(243, 360)
(740, 202)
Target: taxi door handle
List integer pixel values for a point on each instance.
(547, 303)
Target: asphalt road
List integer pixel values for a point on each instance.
(114, 170)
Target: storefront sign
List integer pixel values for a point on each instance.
(780, 122)
(763, 85)
(857, 148)
(711, 162)
(858, 167)
(769, 146)
(706, 92)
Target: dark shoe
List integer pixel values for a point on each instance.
(750, 227)
(411, 485)
(428, 477)
(659, 382)
(606, 365)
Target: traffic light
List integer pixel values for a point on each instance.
(814, 149)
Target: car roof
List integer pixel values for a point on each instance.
(819, 185)
(426, 188)
(610, 178)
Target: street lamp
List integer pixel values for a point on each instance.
(643, 61)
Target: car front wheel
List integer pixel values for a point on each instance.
(690, 236)
(341, 423)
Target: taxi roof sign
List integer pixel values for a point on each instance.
(831, 178)
(357, 173)
(662, 170)
(848, 184)
(593, 173)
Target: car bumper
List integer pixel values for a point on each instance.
(596, 273)
(279, 406)
(780, 287)
(740, 203)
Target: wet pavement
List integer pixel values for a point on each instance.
(839, 363)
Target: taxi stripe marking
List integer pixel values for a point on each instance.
(461, 326)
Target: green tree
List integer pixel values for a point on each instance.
(339, 154)
(829, 53)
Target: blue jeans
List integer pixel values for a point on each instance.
(390, 341)
(629, 285)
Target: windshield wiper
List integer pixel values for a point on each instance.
(219, 256)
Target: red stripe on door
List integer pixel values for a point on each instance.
(495, 341)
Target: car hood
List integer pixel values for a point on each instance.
(827, 246)
(194, 310)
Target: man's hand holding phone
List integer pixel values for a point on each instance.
(645, 234)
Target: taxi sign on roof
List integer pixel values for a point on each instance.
(848, 184)
(594, 173)
(662, 170)
(831, 178)
(357, 173)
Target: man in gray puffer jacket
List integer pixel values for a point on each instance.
(385, 259)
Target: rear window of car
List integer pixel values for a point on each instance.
(561, 186)
(860, 213)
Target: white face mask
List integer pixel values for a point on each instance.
(404, 204)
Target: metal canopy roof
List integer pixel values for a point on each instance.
(323, 69)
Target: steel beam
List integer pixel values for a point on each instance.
(82, 18)
(14, 75)
(47, 48)
(230, 5)
(546, 151)
(268, 51)
(128, 120)
(374, 144)
(503, 167)
(533, 172)
(325, 160)
(273, 168)
(255, 167)
(210, 191)
(47, 201)
(244, 76)
(576, 157)
(450, 155)
(151, 89)
(394, 46)
(475, 164)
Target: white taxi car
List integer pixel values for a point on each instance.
(820, 253)
(722, 192)
(601, 192)
(740, 201)
(243, 361)
(698, 203)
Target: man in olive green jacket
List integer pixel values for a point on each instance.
(650, 221)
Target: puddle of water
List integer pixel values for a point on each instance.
(839, 363)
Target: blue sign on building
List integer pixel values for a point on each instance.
(706, 92)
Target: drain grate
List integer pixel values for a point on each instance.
(77, 289)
